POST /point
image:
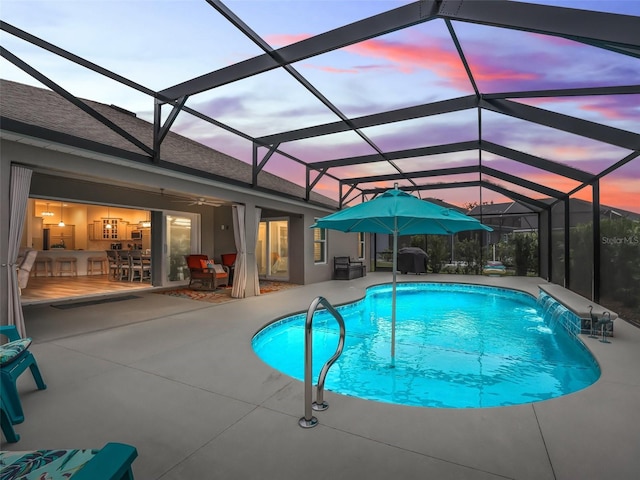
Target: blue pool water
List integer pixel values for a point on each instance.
(457, 346)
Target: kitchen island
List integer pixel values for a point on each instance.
(81, 256)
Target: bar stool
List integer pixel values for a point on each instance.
(66, 265)
(44, 265)
(100, 267)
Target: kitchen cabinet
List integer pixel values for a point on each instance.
(118, 230)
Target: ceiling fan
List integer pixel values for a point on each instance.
(201, 201)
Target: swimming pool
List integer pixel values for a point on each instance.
(457, 346)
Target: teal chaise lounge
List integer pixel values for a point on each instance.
(112, 462)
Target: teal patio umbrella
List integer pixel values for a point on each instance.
(398, 213)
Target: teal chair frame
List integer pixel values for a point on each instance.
(111, 462)
(7, 427)
(9, 374)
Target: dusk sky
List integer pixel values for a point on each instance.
(160, 43)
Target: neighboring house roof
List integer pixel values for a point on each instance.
(583, 206)
(444, 204)
(577, 206)
(506, 208)
(45, 109)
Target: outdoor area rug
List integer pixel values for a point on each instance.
(223, 294)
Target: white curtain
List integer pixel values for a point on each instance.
(240, 276)
(20, 184)
(256, 280)
(240, 272)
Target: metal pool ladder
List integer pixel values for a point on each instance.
(309, 420)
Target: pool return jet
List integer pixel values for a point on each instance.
(396, 212)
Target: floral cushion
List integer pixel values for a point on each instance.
(10, 351)
(39, 464)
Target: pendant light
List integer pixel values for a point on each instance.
(47, 212)
(61, 224)
(146, 223)
(108, 225)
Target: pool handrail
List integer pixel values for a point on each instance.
(309, 420)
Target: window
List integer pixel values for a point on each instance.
(319, 245)
(361, 249)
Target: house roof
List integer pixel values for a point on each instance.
(577, 206)
(503, 208)
(52, 115)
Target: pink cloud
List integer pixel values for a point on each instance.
(422, 53)
(557, 41)
(430, 54)
(626, 200)
(612, 107)
(279, 40)
(408, 57)
(623, 107)
(571, 151)
(619, 193)
(333, 69)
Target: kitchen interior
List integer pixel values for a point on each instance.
(55, 225)
(63, 231)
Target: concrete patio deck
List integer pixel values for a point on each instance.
(179, 380)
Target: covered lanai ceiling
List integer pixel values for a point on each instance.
(472, 101)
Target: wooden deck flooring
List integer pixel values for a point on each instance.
(48, 289)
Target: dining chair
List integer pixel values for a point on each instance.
(139, 265)
(114, 263)
(124, 257)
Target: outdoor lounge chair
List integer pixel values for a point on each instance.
(111, 462)
(494, 269)
(15, 358)
(206, 273)
(229, 260)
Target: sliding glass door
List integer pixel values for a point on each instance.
(272, 250)
(182, 237)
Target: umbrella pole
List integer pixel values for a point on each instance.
(393, 292)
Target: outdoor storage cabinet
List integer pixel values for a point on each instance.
(345, 269)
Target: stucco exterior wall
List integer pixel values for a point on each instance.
(106, 180)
